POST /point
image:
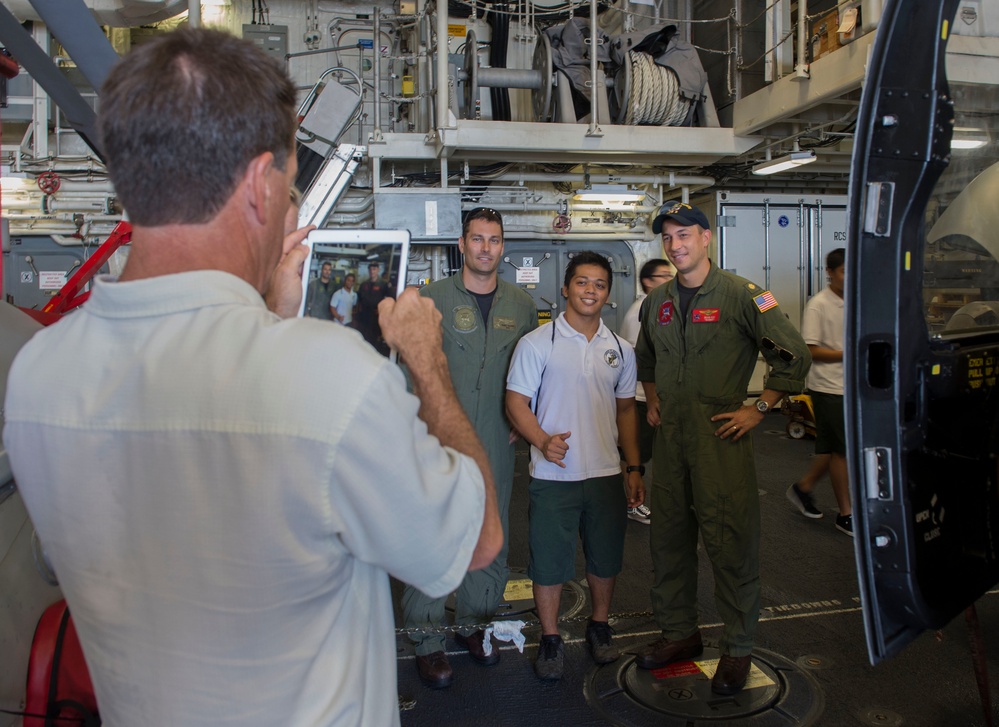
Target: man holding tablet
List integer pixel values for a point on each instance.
(483, 318)
(202, 483)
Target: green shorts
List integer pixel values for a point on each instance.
(594, 510)
(830, 432)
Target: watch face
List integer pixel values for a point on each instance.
(762, 406)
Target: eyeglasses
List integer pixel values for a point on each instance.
(664, 276)
(771, 345)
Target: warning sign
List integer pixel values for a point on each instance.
(756, 677)
(544, 316)
(528, 275)
(51, 279)
(456, 31)
(980, 370)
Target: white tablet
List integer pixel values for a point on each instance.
(365, 266)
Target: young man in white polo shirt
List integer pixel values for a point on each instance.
(571, 395)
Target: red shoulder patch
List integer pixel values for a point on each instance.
(666, 313)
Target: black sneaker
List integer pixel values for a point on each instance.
(803, 501)
(598, 636)
(844, 523)
(548, 665)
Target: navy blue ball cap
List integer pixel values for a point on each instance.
(685, 214)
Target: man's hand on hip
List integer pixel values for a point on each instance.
(735, 424)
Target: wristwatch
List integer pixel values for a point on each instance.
(639, 468)
(762, 407)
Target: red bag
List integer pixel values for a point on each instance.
(59, 685)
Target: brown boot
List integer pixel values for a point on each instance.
(730, 674)
(475, 643)
(435, 671)
(662, 652)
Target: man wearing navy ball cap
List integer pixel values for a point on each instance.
(700, 337)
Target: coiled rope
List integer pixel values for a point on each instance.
(654, 98)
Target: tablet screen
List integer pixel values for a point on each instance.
(349, 272)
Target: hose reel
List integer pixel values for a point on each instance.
(646, 93)
(538, 80)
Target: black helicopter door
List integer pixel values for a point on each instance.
(922, 351)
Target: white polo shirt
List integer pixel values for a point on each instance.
(343, 302)
(574, 385)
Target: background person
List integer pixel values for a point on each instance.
(654, 273)
(822, 329)
(344, 301)
(483, 317)
(574, 379)
(372, 292)
(203, 484)
(701, 336)
(320, 290)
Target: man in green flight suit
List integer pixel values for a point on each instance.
(483, 317)
(700, 337)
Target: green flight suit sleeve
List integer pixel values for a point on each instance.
(645, 354)
(787, 376)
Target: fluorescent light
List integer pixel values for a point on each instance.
(967, 143)
(783, 163)
(609, 194)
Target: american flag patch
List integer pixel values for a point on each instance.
(765, 301)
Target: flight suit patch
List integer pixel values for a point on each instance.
(464, 318)
(666, 313)
(704, 315)
(504, 324)
(611, 358)
(765, 301)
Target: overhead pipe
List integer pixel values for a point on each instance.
(441, 122)
(594, 129)
(422, 69)
(376, 134)
(801, 67)
(672, 180)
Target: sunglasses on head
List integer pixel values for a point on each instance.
(484, 213)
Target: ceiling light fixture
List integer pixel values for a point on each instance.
(784, 163)
(609, 194)
(969, 137)
(967, 143)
